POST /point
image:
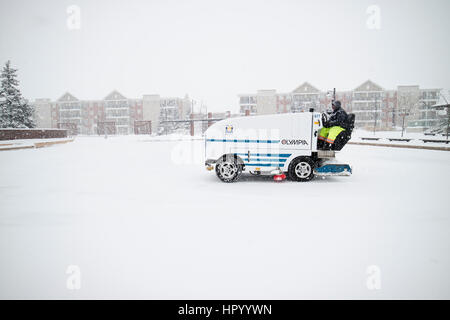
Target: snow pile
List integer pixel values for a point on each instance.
(19, 143)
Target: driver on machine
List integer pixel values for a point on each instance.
(332, 127)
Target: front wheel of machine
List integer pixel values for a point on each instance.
(228, 169)
(301, 169)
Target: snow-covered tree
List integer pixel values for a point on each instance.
(15, 112)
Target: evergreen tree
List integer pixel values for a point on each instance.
(15, 112)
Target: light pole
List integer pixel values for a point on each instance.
(376, 115)
(404, 114)
(403, 121)
(426, 113)
(448, 120)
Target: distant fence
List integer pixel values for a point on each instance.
(405, 146)
(15, 134)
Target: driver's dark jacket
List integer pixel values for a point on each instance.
(337, 118)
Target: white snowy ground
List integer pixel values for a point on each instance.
(144, 219)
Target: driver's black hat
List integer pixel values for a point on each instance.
(337, 104)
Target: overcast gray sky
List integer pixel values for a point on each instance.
(214, 50)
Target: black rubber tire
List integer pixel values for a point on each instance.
(234, 168)
(307, 163)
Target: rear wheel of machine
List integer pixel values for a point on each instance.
(301, 169)
(228, 169)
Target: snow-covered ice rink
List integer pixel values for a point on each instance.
(144, 219)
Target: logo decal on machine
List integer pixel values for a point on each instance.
(294, 142)
(228, 129)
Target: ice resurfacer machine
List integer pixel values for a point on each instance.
(280, 145)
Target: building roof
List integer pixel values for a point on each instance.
(306, 87)
(67, 97)
(369, 86)
(115, 95)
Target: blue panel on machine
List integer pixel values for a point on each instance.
(334, 168)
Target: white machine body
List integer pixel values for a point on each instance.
(265, 142)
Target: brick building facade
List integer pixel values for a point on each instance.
(372, 104)
(115, 114)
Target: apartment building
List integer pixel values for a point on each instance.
(173, 108)
(114, 114)
(372, 104)
(247, 103)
